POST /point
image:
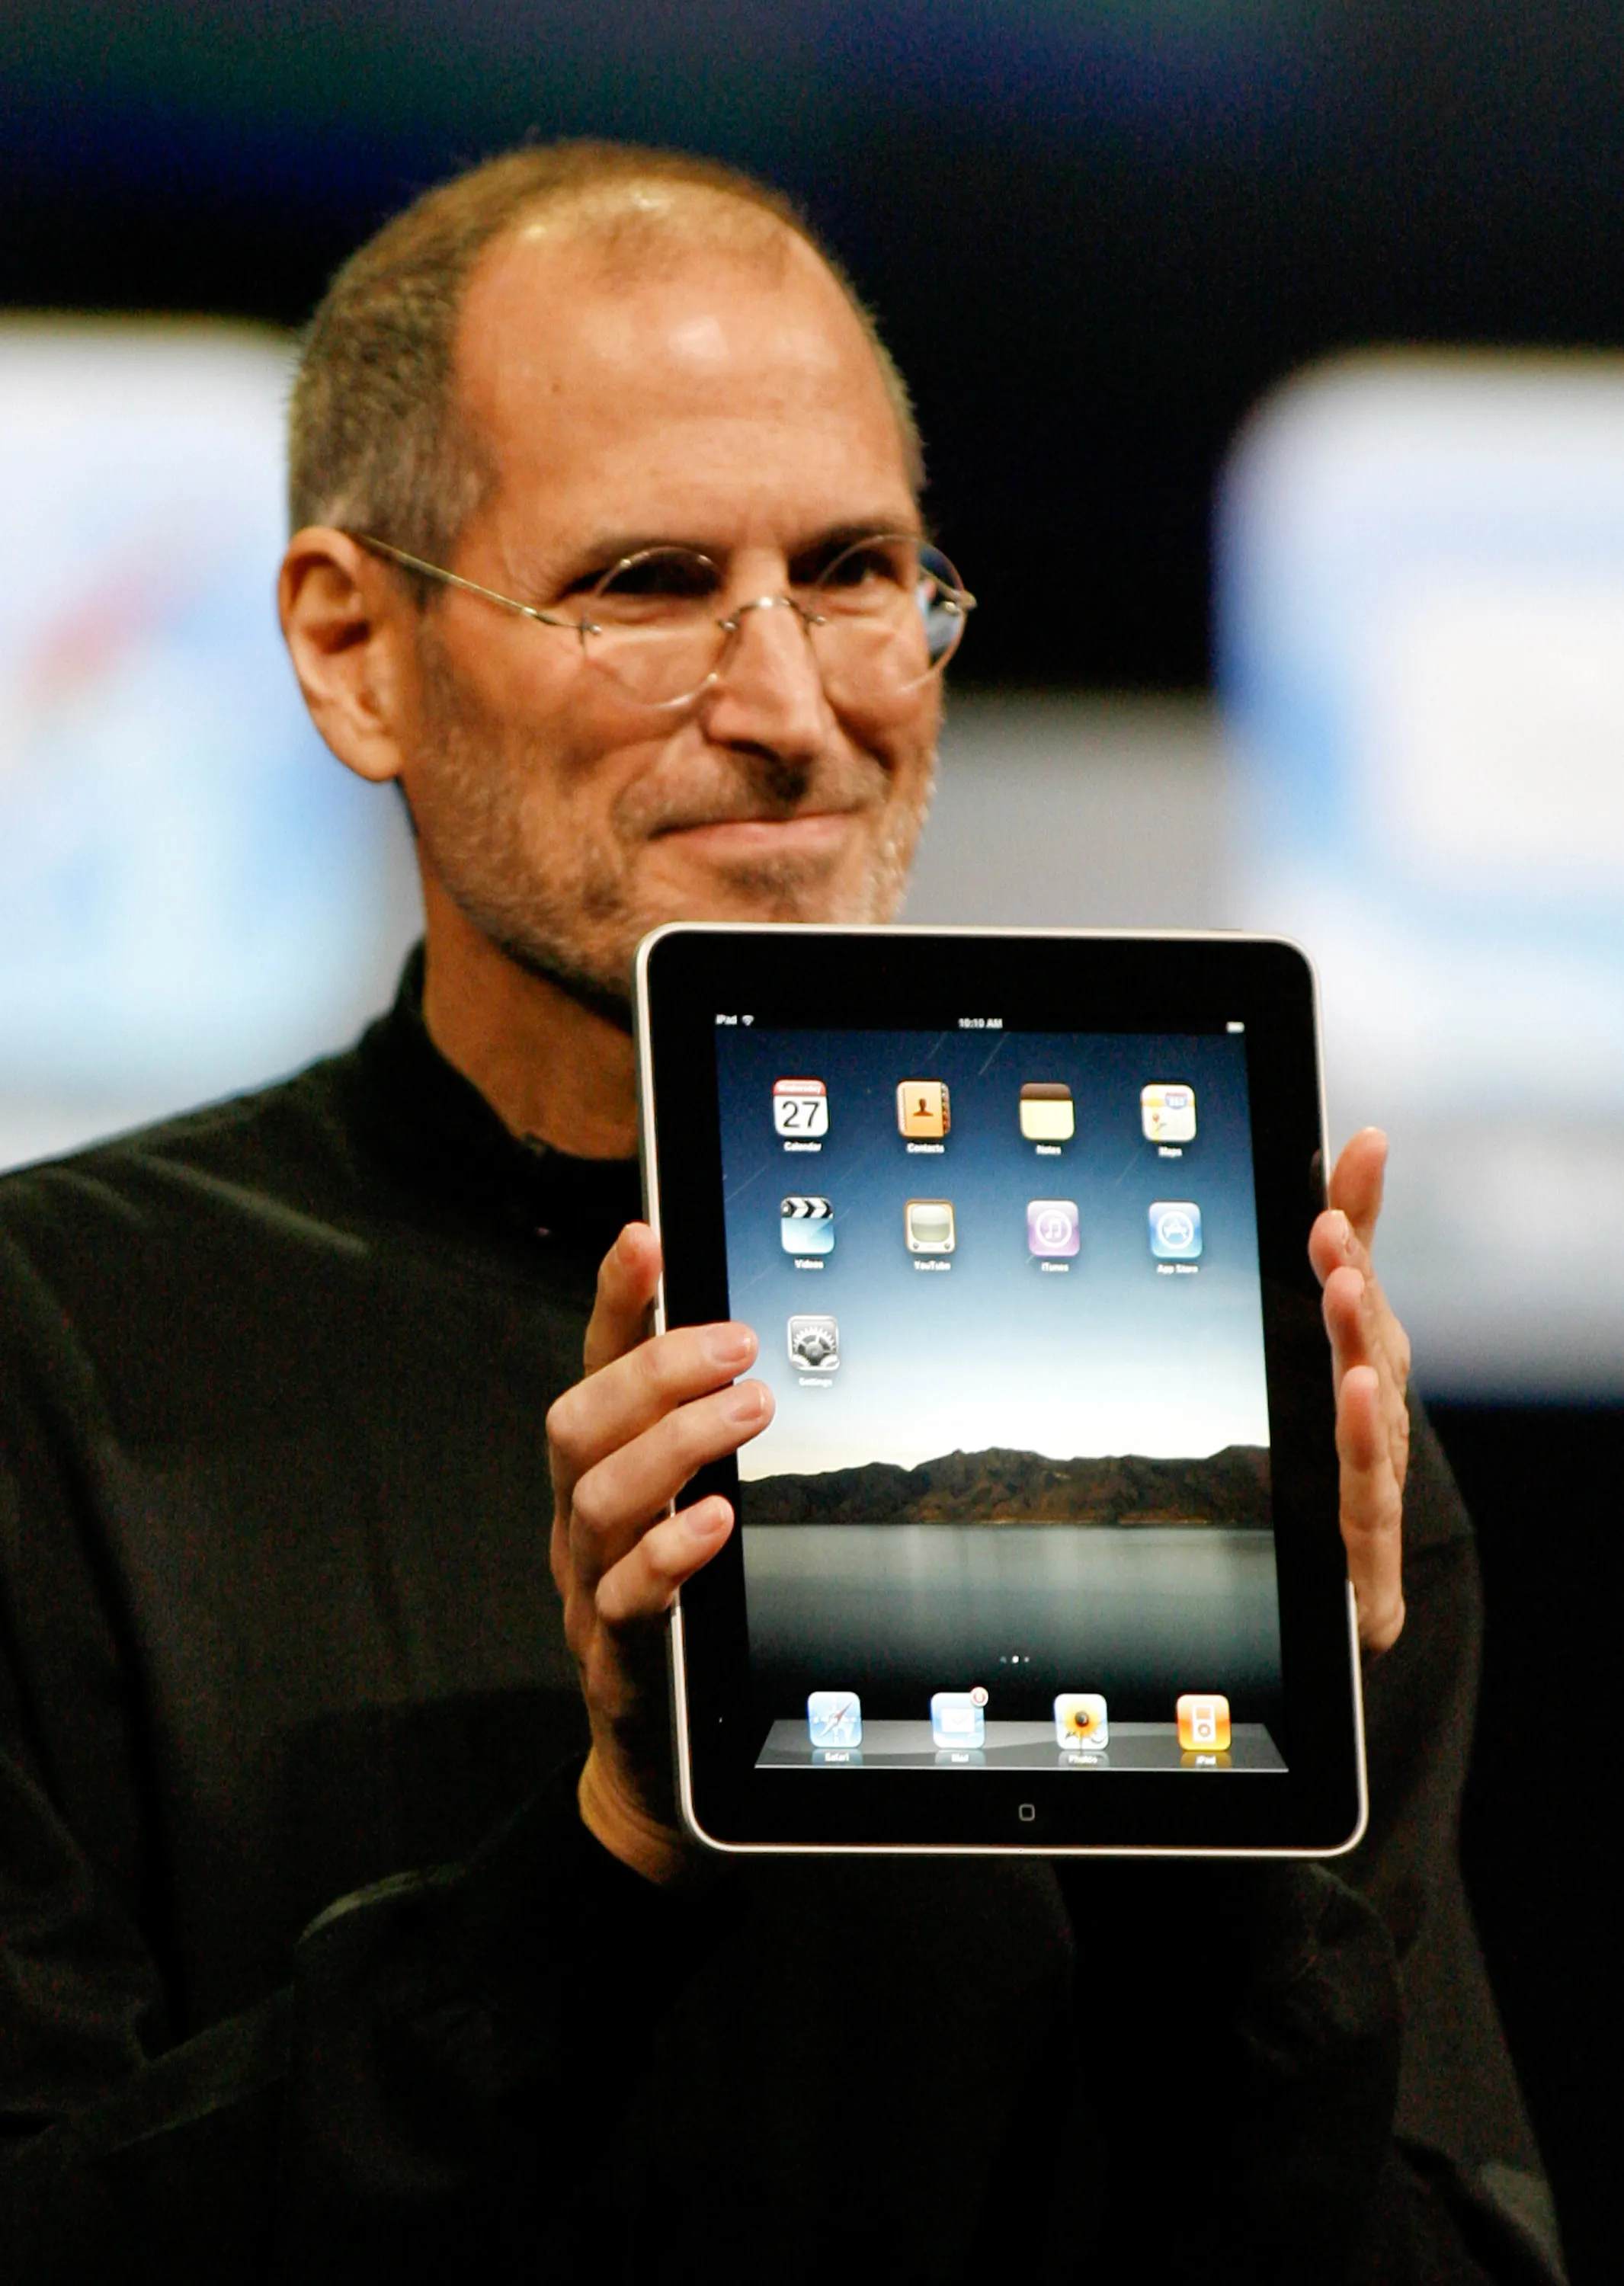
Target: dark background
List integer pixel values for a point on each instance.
(1095, 234)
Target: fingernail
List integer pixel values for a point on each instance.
(746, 1402)
(707, 1521)
(730, 1346)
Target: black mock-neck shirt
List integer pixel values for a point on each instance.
(279, 1615)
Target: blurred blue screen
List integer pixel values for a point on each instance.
(1421, 619)
(193, 895)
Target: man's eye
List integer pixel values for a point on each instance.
(660, 576)
(876, 564)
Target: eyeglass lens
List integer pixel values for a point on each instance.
(882, 618)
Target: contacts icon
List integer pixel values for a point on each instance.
(924, 1113)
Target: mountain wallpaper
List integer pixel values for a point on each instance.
(1003, 1486)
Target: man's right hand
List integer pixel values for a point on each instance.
(624, 1441)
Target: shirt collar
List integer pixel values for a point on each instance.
(435, 1127)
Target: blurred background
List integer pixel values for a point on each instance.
(1263, 354)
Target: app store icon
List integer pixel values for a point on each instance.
(1175, 1230)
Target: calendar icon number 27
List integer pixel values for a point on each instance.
(800, 1106)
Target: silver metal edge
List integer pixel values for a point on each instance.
(645, 1099)
(963, 928)
(675, 1662)
(1358, 1673)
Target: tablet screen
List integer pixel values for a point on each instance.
(1013, 1507)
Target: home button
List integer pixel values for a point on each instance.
(1028, 1812)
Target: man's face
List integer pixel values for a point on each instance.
(729, 405)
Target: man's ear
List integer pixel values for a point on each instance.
(348, 626)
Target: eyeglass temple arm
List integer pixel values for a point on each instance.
(456, 580)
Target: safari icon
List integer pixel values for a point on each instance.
(834, 1718)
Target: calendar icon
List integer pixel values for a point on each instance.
(800, 1106)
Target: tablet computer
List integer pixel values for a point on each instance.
(1040, 1550)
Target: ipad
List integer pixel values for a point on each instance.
(1040, 1550)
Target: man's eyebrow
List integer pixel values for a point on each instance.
(835, 538)
(592, 558)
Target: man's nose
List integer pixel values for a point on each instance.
(769, 691)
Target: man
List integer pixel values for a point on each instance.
(276, 1615)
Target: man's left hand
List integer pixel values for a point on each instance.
(1371, 1354)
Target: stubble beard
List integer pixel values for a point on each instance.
(560, 900)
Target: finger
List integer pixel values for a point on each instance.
(1358, 1180)
(616, 1500)
(1343, 1306)
(1334, 1247)
(1333, 1241)
(639, 1587)
(1372, 1510)
(1363, 1331)
(629, 1394)
(628, 1278)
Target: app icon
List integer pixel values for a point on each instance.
(815, 1344)
(927, 1226)
(806, 1226)
(834, 1718)
(922, 1112)
(1051, 1227)
(1203, 1723)
(1047, 1115)
(1080, 1719)
(800, 1106)
(1175, 1230)
(1167, 1109)
(956, 1719)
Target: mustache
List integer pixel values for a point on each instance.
(769, 790)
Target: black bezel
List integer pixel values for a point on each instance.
(1060, 980)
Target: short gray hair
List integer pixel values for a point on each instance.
(377, 440)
